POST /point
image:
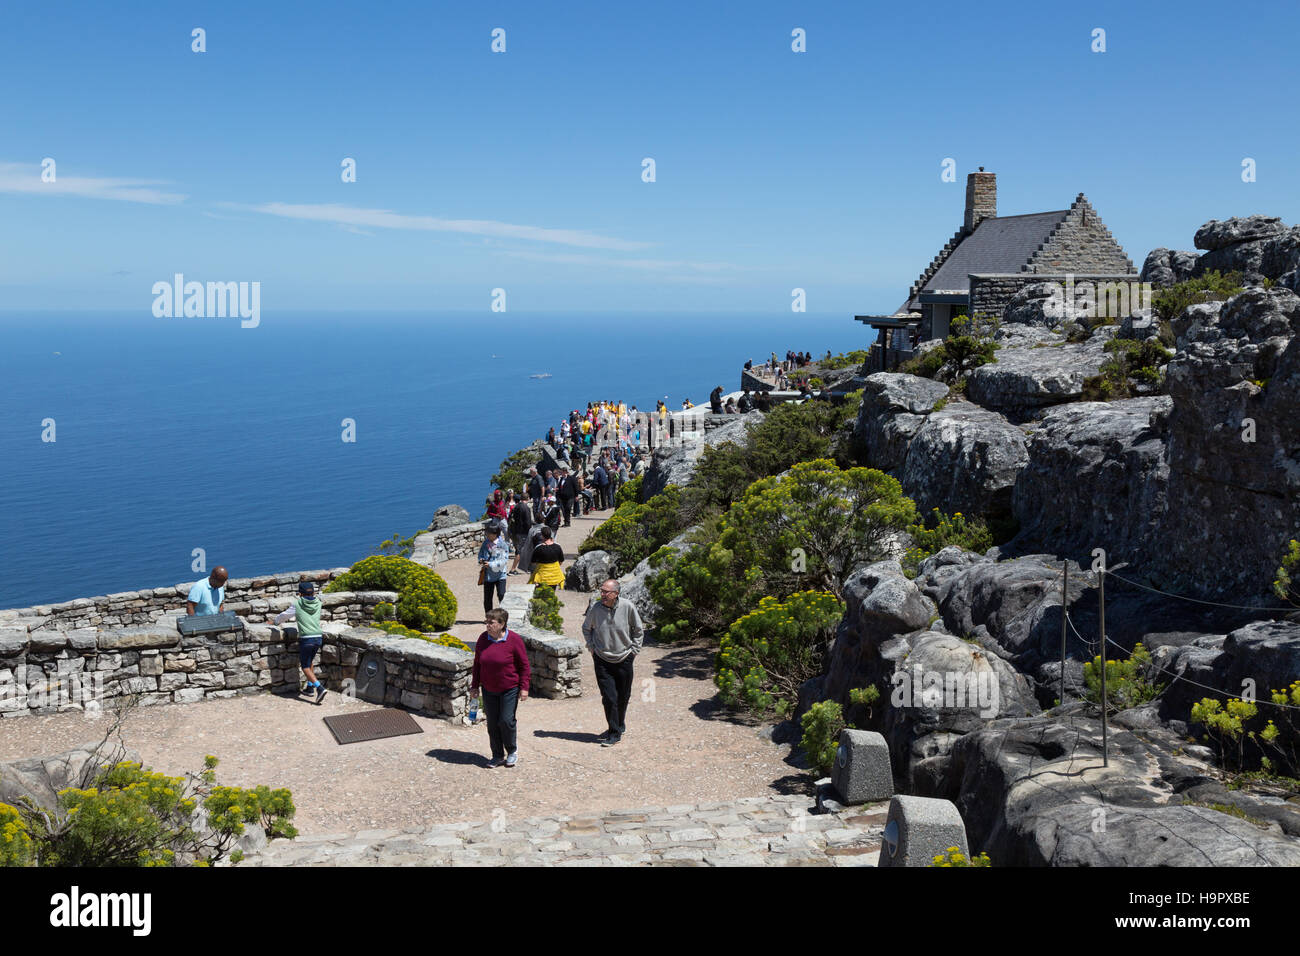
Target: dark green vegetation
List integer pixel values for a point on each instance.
(544, 609)
(970, 346)
(424, 603)
(1133, 369)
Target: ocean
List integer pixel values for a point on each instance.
(172, 435)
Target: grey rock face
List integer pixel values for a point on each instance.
(894, 407)
(1220, 234)
(41, 778)
(1229, 495)
(1164, 267)
(1029, 306)
(1020, 824)
(1024, 379)
(674, 465)
(449, 516)
(963, 458)
(633, 585)
(589, 570)
(1096, 476)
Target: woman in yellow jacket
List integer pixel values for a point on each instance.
(546, 561)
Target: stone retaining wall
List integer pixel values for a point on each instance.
(990, 292)
(555, 660)
(45, 670)
(434, 547)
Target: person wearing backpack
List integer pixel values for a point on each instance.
(600, 478)
(306, 612)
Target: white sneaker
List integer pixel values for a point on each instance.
(512, 759)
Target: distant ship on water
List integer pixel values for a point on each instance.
(540, 375)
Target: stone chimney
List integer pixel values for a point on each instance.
(981, 197)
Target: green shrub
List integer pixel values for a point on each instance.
(816, 382)
(132, 816)
(821, 724)
(844, 360)
(970, 345)
(1132, 369)
(544, 609)
(15, 841)
(425, 603)
(398, 545)
(629, 492)
(805, 531)
(636, 531)
(1125, 685)
(954, 857)
(399, 630)
(769, 652)
(383, 611)
(1170, 302)
(938, 531)
(1227, 724)
(513, 471)
(1287, 583)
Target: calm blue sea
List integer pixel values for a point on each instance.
(176, 434)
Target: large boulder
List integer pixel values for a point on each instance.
(1096, 477)
(675, 464)
(1238, 244)
(1023, 380)
(1165, 267)
(1234, 444)
(1033, 792)
(589, 570)
(449, 516)
(634, 586)
(963, 458)
(41, 778)
(1029, 306)
(894, 407)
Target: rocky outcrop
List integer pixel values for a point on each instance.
(41, 778)
(1023, 380)
(1165, 267)
(1096, 477)
(894, 407)
(1029, 305)
(1234, 444)
(449, 516)
(589, 570)
(634, 585)
(675, 464)
(963, 458)
(1239, 244)
(1033, 792)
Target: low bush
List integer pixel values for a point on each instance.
(399, 545)
(1286, 584)
(629, 492)
(398, 630)
(821, 724)
(937, 531)
(769, 652)
(1125, 684)
(425, 603)
(635, 531)
(844, 360)
(971, 344)
(544, 609)
(132, 816)
(513, 471)
(1214, 286)
(1133, 369)
(954, 857)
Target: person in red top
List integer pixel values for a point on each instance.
(501, 669)
(497, 509)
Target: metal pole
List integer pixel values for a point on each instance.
(1105, 724)
(1065, 590)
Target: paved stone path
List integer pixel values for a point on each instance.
(755, 831)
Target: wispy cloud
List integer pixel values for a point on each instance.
(387, 219)
(702, 271)
(26, 178)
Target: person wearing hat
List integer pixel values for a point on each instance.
(306, 611)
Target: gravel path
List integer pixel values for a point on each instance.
(678, 749)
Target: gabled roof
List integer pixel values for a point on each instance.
(998, 244)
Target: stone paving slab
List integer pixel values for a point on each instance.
(762, 831)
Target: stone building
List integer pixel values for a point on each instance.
(991, 257)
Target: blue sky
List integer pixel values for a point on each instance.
(522, 170)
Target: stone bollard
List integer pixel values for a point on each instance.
(861, 773)
(920, 828)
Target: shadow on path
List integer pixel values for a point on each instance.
(695, 662)
(576, 736)
(463, 757)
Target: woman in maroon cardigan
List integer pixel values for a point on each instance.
(501, 669)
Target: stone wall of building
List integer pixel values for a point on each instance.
(1081, 243)
(990, 292)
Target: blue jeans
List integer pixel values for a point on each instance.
(500, 709)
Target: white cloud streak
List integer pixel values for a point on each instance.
(387, 219)
(26, 178)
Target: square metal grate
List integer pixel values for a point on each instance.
(372, 725)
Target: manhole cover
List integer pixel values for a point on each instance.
(373, 725)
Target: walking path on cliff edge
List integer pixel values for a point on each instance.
(679, 749)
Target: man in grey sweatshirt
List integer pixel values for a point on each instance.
(613, 631)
